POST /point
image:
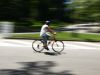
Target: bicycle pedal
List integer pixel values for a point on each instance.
(46, 48)
(38, 46)
(49, 42)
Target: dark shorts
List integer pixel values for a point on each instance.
(45, 37)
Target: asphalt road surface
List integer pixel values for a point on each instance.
(78, 58)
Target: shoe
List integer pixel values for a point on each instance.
(46, 48)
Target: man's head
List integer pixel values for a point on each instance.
(47, 22)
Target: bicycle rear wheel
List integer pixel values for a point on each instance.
(58, 46)
(37, 45)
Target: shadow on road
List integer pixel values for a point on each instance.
(35, 68)
(52, 53)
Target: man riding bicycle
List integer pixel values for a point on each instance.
(44, 33)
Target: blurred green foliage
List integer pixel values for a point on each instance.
(30, 12)
(86, 10)
(61, 36)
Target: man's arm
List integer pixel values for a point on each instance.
(50, 30)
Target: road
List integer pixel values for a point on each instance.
(78, 58)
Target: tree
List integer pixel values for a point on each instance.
(14, 9)
(86, 10)
(50, 9)
(28, 10)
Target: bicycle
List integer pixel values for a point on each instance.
(56, 45)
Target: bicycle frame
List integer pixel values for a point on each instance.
(56, 45)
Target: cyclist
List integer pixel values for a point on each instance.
(44, 33)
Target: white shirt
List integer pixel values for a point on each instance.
(43, 30)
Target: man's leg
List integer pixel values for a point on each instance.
(45, 38)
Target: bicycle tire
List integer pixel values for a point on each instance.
(58, 46)
(37, 46)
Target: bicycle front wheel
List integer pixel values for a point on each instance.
(37, 45)
(58, 46)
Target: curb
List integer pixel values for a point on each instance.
(87, 40)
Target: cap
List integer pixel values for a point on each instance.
(47, 21)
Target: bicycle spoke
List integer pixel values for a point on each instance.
(37, 45)
(58, 46)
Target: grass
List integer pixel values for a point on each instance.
(62, 36)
